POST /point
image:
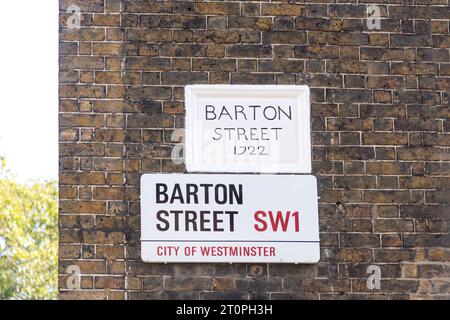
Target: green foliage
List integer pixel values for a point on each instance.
(28, 238)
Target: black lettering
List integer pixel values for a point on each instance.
(274, 113)
(177, 194)
(231, 216)
(264, 134)
(224, 112)
(235, 194)
(222, 191)
(241, 132)
(159, 215)
(176, 218)
(229, 132)
(206, 193)
(254, 134)
(276, 132)
(217, 221)
(192, 220)
(280, 111)
(241, 111)
(254, 111)
(217, 132)
(203, 221)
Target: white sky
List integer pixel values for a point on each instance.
(29, 87)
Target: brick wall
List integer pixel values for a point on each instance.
(380, 131)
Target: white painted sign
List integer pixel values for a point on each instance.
(229, 218)
(247, 128)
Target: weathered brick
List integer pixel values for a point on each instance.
(358, 182)
(417, 124)
(394, 255)
(184, 78)
(404, 68)
(137, 93)
(217, 36)
(82, 178)
(83, 34)
(189, 284)
(419, 153)
(319, 24)
(427, 240)
(181, 22)
(370, 53)
(437, 196)
(110, 20)
(419, 12)
(408, 40)
(252, 78)
(82, 149)
(257, 285)
(280, 66)
(385, 82)
(250, 23)
(84, 5)
(70, 236)
(316, 52)
(355, 255)
(109, 252)
(82, 91)
(152, 283)
(424, 182)
(81, 120)
(388, 168)
(150, 121)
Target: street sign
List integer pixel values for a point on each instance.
(229, 218)
(247, 128)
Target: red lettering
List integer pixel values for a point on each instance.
(297, 221)
(260, 220)
(278, 220)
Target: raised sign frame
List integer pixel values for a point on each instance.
(194, 134)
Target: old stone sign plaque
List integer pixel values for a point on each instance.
(247, 128)
(229, 218)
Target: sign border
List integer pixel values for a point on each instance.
(314, 242)
(192, 161)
